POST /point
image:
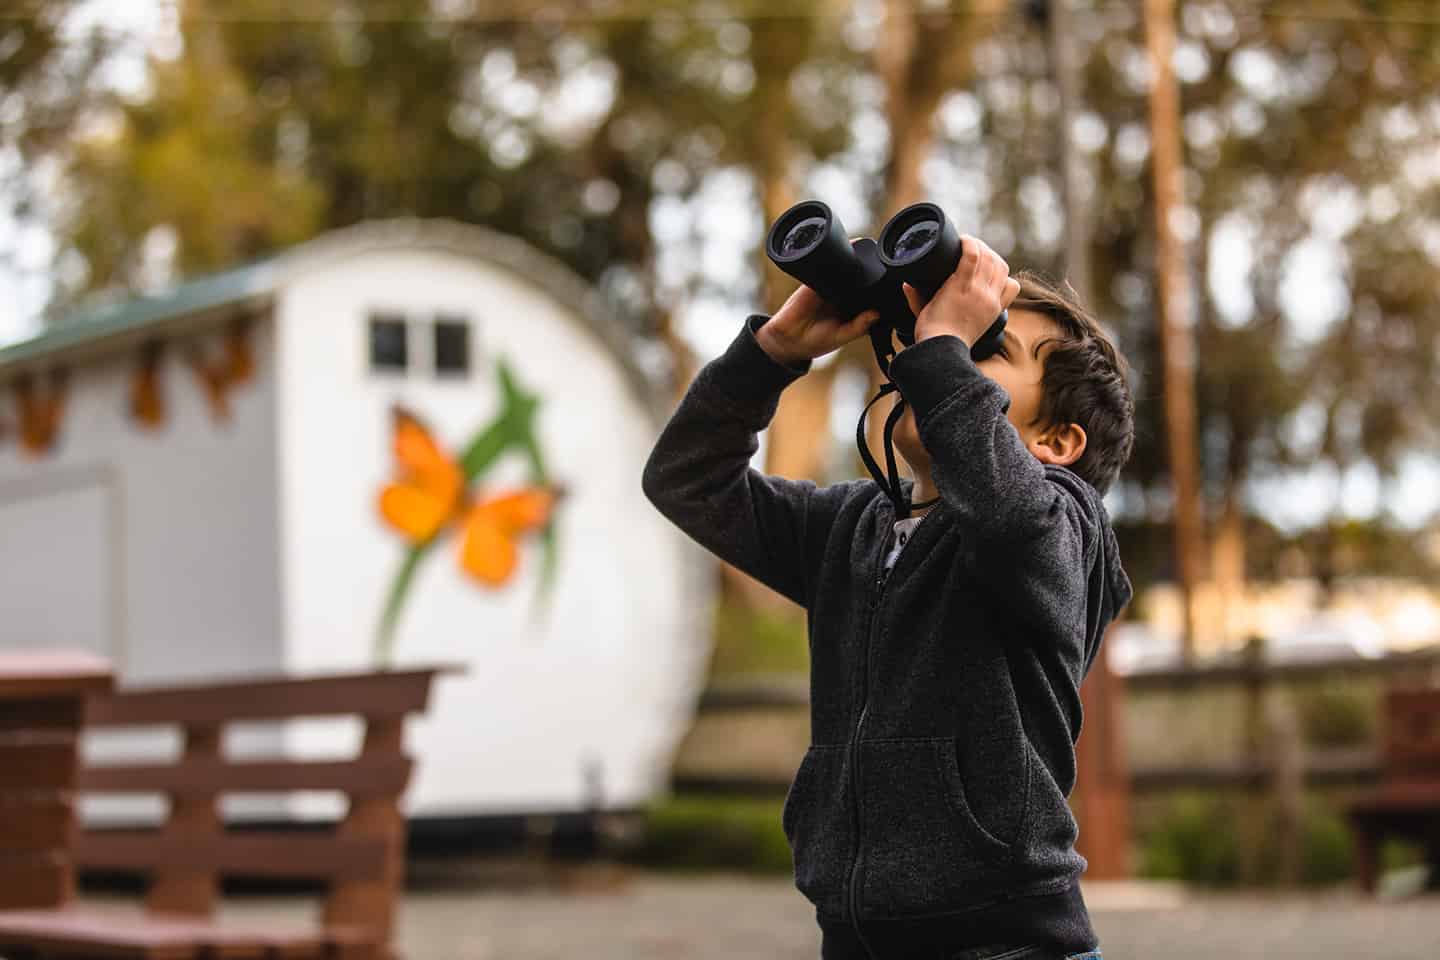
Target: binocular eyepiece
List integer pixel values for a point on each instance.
(918, 246)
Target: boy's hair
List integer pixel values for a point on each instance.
(1085, 380)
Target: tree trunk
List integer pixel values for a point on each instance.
(797, 439)
(919, 57)
(1065, 74)
(1176, 335)
(1228, 565)
(798, 436)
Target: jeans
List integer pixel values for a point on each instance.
(1021, 953)
(840, 946)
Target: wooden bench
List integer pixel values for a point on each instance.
(1407, 802)
(361, 860)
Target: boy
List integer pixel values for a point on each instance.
(929, 818)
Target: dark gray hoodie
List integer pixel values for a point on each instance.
(944, 698)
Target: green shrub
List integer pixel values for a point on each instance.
(1336, 716)
(716, 833)
(1197, 839)
(749, 640)
(1400, 854)
(1193, 841)
(1192, 837)
(1328, 846)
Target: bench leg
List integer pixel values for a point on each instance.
(1367, 859)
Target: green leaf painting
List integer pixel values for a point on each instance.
(432, 491)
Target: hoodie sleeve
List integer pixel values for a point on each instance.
(983, 471)
(699, 474)
(1057, 559)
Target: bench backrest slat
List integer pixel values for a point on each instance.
(363, 775)
(274, 853)
(362, 859)
(372, 695)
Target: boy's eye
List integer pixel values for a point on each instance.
(1003, 350)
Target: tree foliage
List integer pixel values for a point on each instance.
(46, 74)
(1311, 184)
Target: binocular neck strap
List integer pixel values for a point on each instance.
(889, 481)
(884, 346)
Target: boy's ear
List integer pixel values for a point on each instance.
(1061, 446)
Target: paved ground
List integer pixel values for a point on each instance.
(648, 916)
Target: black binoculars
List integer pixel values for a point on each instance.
(918, 246)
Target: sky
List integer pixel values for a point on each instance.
(726, 205)
(25, 286)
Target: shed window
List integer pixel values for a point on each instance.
(388, 350)
(452, 346)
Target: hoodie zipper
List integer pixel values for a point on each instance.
(882, 580)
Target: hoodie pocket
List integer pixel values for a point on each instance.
(1006, 815)
(924, 848)
(819, 826)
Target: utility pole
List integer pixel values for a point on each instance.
(1177, 338)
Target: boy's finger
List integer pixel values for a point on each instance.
(988, 270)
(861, 323)
(1002, 273)
(800, 299)
(969, 259)
(987, 252)
(1012, 290)
(808, 298)
(912, 297)
(954, 287)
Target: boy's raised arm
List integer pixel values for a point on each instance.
(981, 467)
(699, 474)
(979, 463)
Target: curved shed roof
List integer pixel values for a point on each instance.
(110, 324)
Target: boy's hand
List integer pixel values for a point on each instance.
(807, 327)
(970, 299)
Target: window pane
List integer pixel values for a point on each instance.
(387, 342)
(452, 345)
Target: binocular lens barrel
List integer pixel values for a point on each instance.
(922, 246)
(918, 246)
(810, 244)
(803, 236)
(916, 239)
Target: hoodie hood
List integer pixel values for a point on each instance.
(1110, 588)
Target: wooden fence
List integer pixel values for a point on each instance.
(1336, 766)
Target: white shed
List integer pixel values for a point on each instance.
(191, 485)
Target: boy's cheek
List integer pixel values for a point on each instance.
(990, 367)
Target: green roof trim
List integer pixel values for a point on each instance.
(109, 318)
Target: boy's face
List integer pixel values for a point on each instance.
(1018, 369)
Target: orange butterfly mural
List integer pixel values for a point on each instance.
(428, 496)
